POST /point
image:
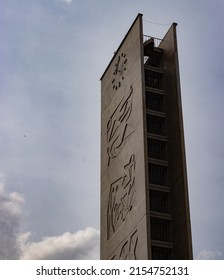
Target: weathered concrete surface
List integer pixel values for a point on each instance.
(123, 166)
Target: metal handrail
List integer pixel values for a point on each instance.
(157, 41)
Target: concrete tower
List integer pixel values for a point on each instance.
(144, 193)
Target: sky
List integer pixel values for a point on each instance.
(52, 55)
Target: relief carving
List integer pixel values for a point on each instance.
(118, 128)
(128, 249)
(121, 197)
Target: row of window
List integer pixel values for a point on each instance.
(156, 125)
(154, 79)
(155, 60)
(159, 201)
(155, 101)
(157, 149)
(158, 174)
(161, 253)
(160, 229)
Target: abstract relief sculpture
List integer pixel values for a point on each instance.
(118, 128)
(128, 249)
(121, 197)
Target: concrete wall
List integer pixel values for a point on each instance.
(123, 165)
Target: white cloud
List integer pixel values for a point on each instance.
(10, 217)
(210, 255)
(82, 245)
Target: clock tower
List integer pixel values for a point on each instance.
(144, 193)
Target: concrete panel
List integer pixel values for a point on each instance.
(123, 167)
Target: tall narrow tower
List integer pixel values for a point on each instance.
(144, 193)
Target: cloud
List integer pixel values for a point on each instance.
(210, 255)
(69, 2)
(82, 245)
(10, 218)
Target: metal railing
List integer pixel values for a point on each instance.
(157, 41)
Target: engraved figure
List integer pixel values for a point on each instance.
(121, 197)
(118, 129)
(128, 249)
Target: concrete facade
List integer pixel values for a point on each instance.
(143, 215)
